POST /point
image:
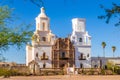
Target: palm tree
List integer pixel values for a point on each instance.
(113, 49)
(103, 45)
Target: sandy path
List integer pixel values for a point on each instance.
(65, 77)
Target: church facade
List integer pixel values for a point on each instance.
(63, 53)
(48, 51)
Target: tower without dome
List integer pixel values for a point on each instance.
(82, 43)
(42, 40)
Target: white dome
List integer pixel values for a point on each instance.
(42, 14)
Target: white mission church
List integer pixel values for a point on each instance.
(48, 51)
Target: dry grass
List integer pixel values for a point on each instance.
(65, 77)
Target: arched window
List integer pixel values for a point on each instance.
(44, 54)
(43, 24)
(63, 54)
(81, 55)
(88, 55)
(81, 65)
(44, 65)
(36, 54)
(80, 39)
(43, 38)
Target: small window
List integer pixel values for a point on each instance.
(88, 55)
(81, 65)
(80, 39)
(44, 54)
(36, 54)
(81, 55)
(43, 38)
(63, 54)
(44, 65)
(43, 26)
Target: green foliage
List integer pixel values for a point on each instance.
(109, 66)
(91, 71)
(113, 48)
(102, 72)
(103, 44)
(12, 36)
(114, 11)
(34, 37)
(37, 2)
(5, 14)
(114, 68)
(7, 72)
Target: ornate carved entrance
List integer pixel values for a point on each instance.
(63, 53)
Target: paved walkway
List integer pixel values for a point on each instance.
(65, 77)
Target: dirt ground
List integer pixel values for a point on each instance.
(65, 77)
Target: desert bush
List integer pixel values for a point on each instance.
(9, 72)
(102, 72)
(4, 72)
(91, 71)
(116, 69)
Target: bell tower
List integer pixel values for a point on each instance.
(82, 43)
(42, 21)
(42, 40)
(78, 25)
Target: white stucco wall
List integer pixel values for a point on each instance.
(40, 51)
(85, 50)
(28, 54)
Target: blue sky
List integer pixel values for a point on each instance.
(61, 13)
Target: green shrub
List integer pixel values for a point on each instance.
(116, 69)
(46, 73)
(60, 73)
(102, 71)
(6, 72)
(91, 71)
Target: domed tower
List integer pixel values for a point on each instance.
(42, 41)
(43, 33)
(42, 21)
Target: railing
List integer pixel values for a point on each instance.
(64, 57)
(81, 58)
(44, 58)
